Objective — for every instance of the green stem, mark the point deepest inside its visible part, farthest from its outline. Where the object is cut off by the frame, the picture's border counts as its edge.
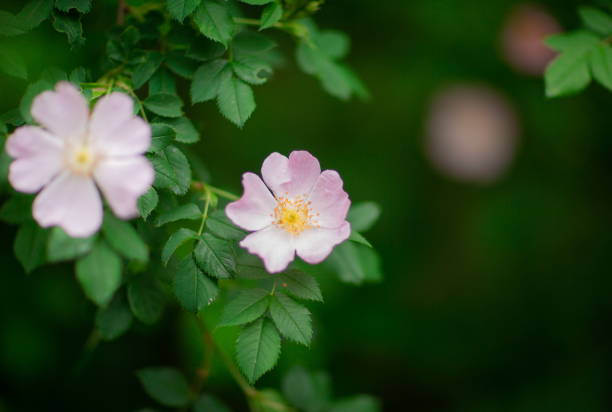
(248, 390)
(205, 213)
(222, 193)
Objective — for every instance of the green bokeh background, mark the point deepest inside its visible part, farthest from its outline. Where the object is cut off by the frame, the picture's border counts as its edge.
(495, 298)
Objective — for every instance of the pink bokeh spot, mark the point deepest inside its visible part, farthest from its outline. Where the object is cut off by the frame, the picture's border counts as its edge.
(73, 157)
(295, 209)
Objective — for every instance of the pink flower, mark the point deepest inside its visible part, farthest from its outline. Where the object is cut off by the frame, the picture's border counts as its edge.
(73, 156)
(305, 212)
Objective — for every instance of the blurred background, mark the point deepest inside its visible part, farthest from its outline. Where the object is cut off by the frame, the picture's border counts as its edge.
(495, 234)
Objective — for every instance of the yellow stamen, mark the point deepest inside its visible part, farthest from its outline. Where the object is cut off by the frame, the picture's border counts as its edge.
(294, 215)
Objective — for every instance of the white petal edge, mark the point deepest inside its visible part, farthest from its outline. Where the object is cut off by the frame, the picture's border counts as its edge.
(273, 245)
(315, 245)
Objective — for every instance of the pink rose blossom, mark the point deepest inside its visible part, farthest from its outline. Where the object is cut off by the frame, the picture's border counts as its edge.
(299, 210)
(74, 155)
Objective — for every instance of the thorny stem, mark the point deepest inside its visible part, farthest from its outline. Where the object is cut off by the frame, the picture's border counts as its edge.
(248, 390)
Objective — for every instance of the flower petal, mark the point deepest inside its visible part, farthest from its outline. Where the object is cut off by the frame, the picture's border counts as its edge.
(314, 245)
(64, 111)
(38, 157)
(330, 200)
(255, 209)
(115, 129)
(273, 245)
(291, 177)
(123, 181)
(71, 202)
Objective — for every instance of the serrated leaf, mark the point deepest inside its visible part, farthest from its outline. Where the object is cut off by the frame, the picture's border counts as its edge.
(271, 15)
(34, 13)
(179, 9)
(215, 256)
(124, 239)
(235, 100)
(161, 136)
(245, 307)
(71, 26)
(597, 20)
(301, 285)
(99, 273)
(172, 170)
(363, 215)
(164, 104)
(176, 240)
(184, 130)
(207, 80)
(215, 21)
(601, 65)
(292, 319)
(257, 348)
(219, 224)
(82, 6)
(144, 71)
(567, 74)
(252, 42)
(181, 65)
(146, 299)
(147, 203)
(29, 246)
(252, 70)
(162, 82)
(189, 211)
(60, 246)
(193, 289)
(208, 403)
(166, 385)
(115, 319)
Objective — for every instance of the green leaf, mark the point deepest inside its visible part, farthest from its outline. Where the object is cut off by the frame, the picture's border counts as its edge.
(166, 385)
(235, 100)
(162, 82)
(183, 128)
(193, 289)
(179, 9)
(143, 72)
(164, 104)
(271, 15)
(189, 211)
(363, 215)
(10, 25)
(245, 307)
(18, 209)
(71, 26)
(147, 203)
(359, 403)
(601, 65)
(61, 246)
(252, 42)
(252, 70)
(215, 256)
(33, 90)
(301, 285)
(115, 319)
(215, 21)
(29, 246)
(122, 236)
(355, 263)
(257, 2)
(567, 74)
(257, 348)
(34, 13)
(146, 299)
(572, 41)
(99, 273)
(334, 44)
(300, 390)
(161, 136)
(172, 170)
(208, 403)
(358, 238)
(596, 20)
(292, 319)
(82, 6)
(181, 65)
(207, 80)
(222, 227)
(176, 240)
(268, 400)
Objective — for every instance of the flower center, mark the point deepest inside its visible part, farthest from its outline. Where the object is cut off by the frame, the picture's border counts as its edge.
(81, 160)
(294, 215)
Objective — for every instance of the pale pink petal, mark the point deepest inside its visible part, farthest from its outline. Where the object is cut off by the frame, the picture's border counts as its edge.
(63, 111)
(38, 155)
(123, 181)
(273, 245)
(314, 245)
(275, 172)
(255, 209)
(71, 202)
(291, 177)
(115, 129)
(329, 200)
